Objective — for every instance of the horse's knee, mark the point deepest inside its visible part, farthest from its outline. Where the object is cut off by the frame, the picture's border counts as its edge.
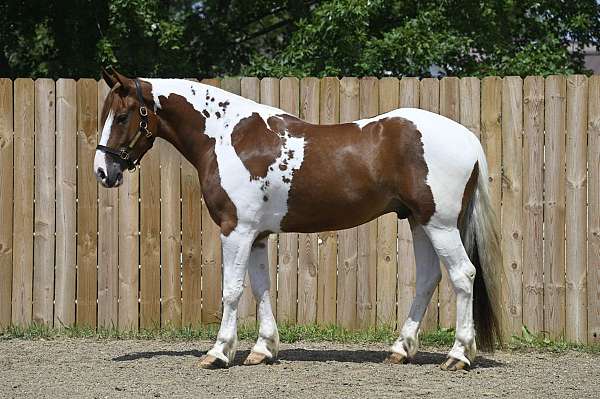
(232, 294)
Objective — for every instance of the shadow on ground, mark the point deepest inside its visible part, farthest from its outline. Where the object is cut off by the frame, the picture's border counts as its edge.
(317, 355)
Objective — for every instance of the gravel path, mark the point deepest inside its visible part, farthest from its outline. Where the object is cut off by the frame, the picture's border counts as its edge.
(134, 369)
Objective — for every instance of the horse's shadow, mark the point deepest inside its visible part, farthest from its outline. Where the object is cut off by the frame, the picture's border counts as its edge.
(317, 355)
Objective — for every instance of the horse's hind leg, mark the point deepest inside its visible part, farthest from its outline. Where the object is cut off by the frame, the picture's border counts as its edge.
(266, 347)
(449, 247)
(428, 276)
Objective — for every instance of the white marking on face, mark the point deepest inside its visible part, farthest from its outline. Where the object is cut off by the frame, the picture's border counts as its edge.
(248, 195)
(100, 157)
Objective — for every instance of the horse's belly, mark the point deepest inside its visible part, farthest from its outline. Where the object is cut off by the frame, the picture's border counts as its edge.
(320, 210)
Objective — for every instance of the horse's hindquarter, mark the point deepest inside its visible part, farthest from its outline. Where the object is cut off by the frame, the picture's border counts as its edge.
(450, 151)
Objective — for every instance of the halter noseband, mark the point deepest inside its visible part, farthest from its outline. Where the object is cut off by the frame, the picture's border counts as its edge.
(124, 152)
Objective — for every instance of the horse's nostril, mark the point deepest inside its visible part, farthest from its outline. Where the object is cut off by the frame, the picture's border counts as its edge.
(119, 176)
(101, 173)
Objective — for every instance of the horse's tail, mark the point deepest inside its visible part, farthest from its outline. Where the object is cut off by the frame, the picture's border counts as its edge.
(479, 231)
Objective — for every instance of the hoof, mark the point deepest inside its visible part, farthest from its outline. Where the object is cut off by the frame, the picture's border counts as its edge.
(453, 364)
(255, 358)
(210, 362)
(395, 358)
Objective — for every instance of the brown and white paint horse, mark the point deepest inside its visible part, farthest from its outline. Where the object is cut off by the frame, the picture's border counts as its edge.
(264, 171)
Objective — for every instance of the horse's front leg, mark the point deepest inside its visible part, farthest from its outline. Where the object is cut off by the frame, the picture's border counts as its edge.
(266, 347)
(236, 250)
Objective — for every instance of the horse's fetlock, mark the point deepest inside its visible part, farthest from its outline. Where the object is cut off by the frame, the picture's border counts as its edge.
(466, 337)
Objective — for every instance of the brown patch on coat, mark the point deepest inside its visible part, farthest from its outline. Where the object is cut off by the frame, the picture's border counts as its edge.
(184, 128)
(257, 146)
(350, 175)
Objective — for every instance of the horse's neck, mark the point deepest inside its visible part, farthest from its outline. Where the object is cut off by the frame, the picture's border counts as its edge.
(202, 106)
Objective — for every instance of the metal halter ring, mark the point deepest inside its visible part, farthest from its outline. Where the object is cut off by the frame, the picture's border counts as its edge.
(124, 154)
(143, 125)
(143, 111)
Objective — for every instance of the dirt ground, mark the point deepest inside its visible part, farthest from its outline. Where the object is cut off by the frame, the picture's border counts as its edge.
(134, 369)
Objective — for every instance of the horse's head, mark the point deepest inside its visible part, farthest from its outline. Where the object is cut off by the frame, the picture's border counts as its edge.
(128, 128)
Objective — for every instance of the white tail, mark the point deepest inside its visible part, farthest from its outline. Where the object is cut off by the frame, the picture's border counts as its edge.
(481, 239)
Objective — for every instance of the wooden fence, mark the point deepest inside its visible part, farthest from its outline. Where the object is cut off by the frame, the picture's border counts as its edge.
(148, 255)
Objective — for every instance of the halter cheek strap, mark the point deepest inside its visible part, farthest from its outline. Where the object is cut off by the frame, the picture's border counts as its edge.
(124, 152)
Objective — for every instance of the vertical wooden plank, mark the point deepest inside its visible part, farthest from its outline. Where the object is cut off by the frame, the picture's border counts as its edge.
(191, 244)
(450, 108)
(269, 95)
(43, 243)
(170, 235)
(512, 202)
(554, 207)
(491, 137)
(576, 221)
(533, 191)
(305, 288)
(314, 252)
(430, 100)
(212, 263)
(349, 110)
(66, 197)
(6, 200)
(366, 275)
(470, 100)
(87, 205)
(108, 241)
(491, 140)
(287, 276)
(593, 278)
(150, 239)
(409, 97)
(387, 230)
(326, 111)
(129, 251)
(249, 88)
(23, 202)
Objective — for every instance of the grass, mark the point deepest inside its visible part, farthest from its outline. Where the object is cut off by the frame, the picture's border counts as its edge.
(288, 334)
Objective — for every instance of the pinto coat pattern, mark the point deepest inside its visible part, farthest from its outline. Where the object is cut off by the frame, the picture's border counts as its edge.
(264, 171)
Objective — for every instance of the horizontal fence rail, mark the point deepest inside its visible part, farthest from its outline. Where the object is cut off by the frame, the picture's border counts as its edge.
(147, 255)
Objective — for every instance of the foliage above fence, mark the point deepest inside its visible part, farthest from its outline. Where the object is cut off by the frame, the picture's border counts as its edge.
(147, 254)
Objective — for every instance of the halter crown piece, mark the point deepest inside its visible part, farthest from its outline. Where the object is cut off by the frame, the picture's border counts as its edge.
(124, 152)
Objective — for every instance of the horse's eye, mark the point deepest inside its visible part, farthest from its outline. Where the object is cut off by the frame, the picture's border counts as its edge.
(122, 118)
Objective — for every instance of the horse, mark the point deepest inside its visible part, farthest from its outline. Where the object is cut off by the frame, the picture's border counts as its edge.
(264, 171)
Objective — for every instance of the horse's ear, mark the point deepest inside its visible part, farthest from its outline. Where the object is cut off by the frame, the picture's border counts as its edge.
(109, 78)
(112, 77)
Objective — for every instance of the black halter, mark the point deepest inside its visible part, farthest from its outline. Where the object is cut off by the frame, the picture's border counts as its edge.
(124, 153)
